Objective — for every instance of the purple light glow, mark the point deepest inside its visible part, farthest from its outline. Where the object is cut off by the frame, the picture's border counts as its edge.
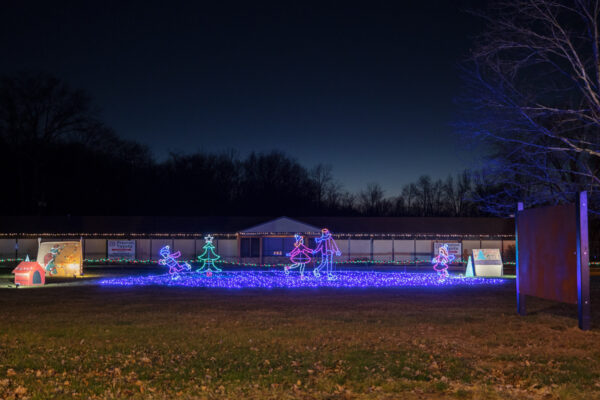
(278, 279)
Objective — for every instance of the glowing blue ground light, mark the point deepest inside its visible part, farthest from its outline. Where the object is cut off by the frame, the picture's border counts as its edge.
(278, 279)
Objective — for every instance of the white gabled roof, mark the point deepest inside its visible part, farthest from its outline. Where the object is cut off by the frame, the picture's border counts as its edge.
(283, 225)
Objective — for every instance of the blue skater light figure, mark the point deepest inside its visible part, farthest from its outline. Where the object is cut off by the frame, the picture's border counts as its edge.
(170, 260)
(441, 261)
(327, 247)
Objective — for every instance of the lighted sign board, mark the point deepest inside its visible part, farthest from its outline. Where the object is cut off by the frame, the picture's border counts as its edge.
(121, 249)
(454, 249)
(61, 258)
(487, 262)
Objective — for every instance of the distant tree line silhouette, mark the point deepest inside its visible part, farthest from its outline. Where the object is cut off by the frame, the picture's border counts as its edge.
(59, 158)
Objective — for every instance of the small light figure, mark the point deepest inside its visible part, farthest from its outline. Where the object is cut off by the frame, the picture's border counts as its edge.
(170, 260)
(327, 247)
(299, 256)
(209, 257)
(441, 261)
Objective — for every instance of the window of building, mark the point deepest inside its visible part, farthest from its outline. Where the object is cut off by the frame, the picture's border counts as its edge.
(277, 247)
(250, 247)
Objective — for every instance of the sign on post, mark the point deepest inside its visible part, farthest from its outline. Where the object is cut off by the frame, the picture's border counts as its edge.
(553, 256)
(121, 249)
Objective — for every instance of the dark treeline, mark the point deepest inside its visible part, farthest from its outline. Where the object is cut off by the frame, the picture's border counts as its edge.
(59, 158)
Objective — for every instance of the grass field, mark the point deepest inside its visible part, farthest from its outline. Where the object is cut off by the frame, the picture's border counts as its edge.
(160, 342)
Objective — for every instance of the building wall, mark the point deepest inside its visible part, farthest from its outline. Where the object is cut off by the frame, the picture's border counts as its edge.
(226, 248)
(94, 248)
(404, 250)
(187, 247)
(360, 248)
(143, 249)
(383, 250)
(343, 245)
(491, 244)
(28, 247)
(508, 250)
(424, 250)
(468, 246)
(380, 249)
(7, 248)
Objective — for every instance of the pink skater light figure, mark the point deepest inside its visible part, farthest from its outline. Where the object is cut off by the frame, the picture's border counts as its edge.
(441, 261)
(170, 260)
(299, 256)
(327, 247)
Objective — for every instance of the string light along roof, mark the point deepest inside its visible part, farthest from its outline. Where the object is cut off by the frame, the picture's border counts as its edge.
(230, 227)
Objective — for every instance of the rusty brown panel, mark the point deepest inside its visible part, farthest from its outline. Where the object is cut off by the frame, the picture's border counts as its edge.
(547, 241)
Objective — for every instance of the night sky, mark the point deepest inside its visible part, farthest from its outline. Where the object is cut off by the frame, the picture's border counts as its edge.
(366, 87)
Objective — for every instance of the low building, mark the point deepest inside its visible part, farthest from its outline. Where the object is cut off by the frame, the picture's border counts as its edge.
(259, 240)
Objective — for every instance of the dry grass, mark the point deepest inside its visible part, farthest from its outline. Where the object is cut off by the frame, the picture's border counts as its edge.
(95, 342)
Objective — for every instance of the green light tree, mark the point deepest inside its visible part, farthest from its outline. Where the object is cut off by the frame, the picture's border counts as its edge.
(209, 257)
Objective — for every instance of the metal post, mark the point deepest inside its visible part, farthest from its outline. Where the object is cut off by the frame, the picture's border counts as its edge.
(414, 254)
(583, 264)
(520, 297)
(349, 252)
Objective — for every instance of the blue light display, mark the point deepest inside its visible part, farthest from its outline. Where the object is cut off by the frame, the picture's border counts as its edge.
(327, 247)
(170, 260)
(279, 279)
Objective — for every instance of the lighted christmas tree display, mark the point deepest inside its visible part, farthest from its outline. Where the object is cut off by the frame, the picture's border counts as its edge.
(209, 257)
(469, 270)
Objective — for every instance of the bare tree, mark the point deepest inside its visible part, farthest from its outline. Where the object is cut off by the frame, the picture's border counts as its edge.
(534, 89)
(424, 195)
(372, 200)
(327, 190)
(458, 192)
(409, 193)
(37, 111)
